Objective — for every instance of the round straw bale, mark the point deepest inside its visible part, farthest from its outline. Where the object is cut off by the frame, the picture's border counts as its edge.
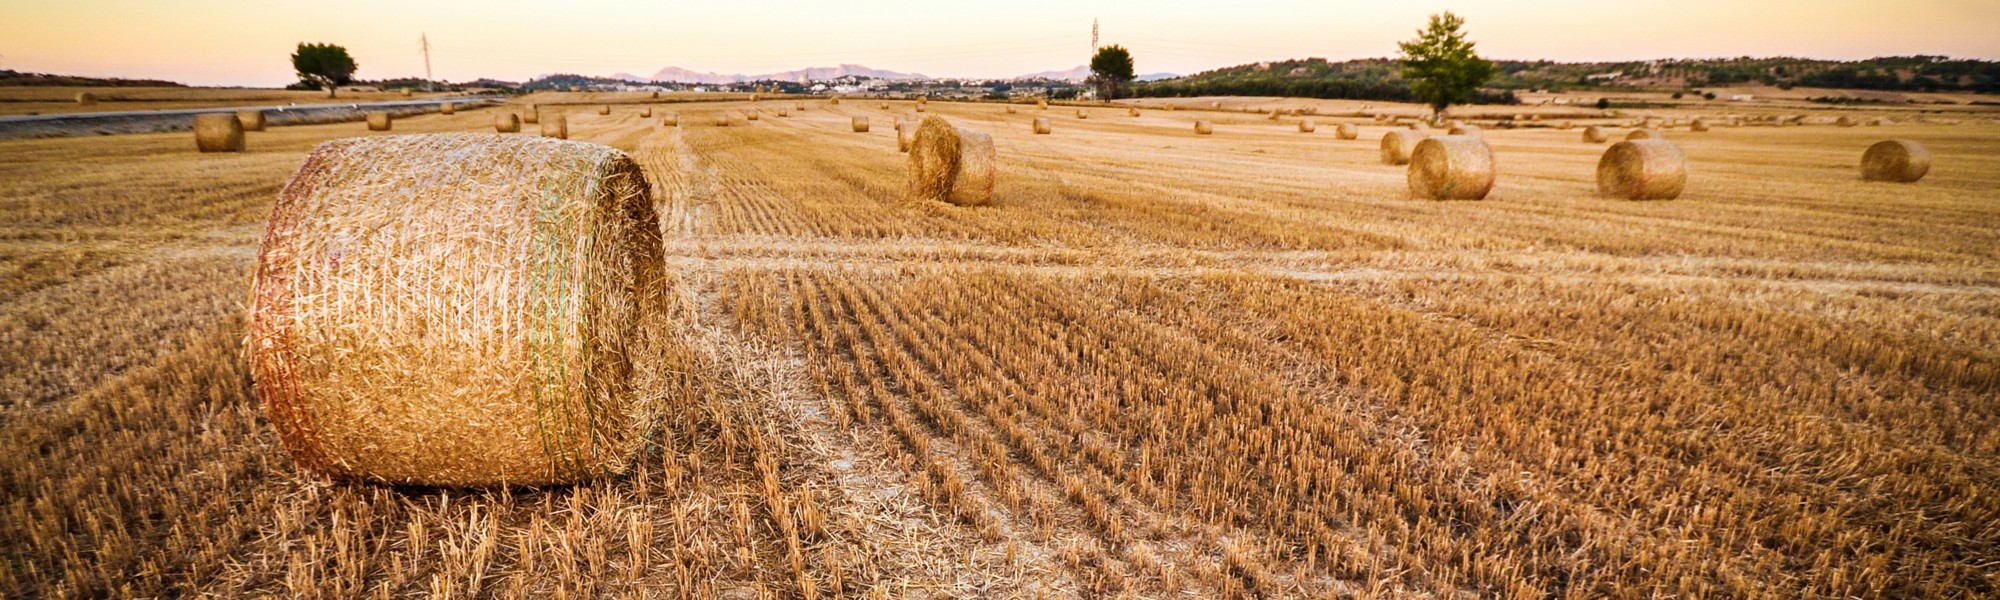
(1595, 135)
(1698, 125)
(756, 97)
(1082, 115)
(507, 122)
(1653, 169)
(446, 108)
(1463, 129)
(799, 106)
(1042, 126)
(1214, 104)
(951, 164)
(556, 126)
(1453, 167)
(671, 120)
(1844, 121)
(219, 132)
(1900, 161)
(1397, 145)
(1381, 117)
(784, 112)
(920, 107)
(860, 124)
(379, 121)
(1347, 131)
(532, 115)
(923, 99)
(835, 101)
(604, 109)
(252, 120)
(722, 119)
(750, 115)
(86, 98)
(656, 95)
(405, 92)
(1644, 134)
(1565, 125)
(459, 310)
(646, 113)
(1308, 126)
(906, 134)
(1042, 103)
(1010, 109)
(1273, 116)
(1131, 112)
(1204, 127)
(884, 106)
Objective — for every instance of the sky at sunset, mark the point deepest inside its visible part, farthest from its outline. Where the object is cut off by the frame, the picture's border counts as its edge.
(247, 42)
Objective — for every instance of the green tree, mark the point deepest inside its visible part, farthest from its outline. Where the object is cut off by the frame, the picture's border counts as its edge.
(1441, 66)
(1111, 70)
(323, 65)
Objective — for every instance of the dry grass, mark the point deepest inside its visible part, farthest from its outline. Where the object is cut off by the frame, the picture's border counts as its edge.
(1157, 365)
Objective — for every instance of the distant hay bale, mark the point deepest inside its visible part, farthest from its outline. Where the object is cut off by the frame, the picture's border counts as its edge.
(656, 95)
(884, 106)
(1042, 126)
(951, 164)
(1274, 115)
(920, 107)
(784, 112)
(671, 120)
(906, 134)
(799, 106)
(1042, 103)
(1010, 109)
(405, 92)
(1463, 129)
(860, 124)
(379, 121)
(446, 108)
(1698, 125)
(1131, 112)
(750, 115)
(1565, 125)
(1644, 134)
(834, 101)
(922, 100)
(219, 132)
(646, 113)
(756, 97)
(507, 122)
(1307, 126)
(459, 310)
(533, 115)
(1381, 117)
(604, 109)
(1844, 121)
(1214, 104)
(252, 120)
(556, 126)
(722, 119)
(86, 99)
(1347, 131)
(1204, 127)
(1453, 167)
(1595, 135)
(1082, 115)
(1397, 145)
(1900, 161)
(1642, 170)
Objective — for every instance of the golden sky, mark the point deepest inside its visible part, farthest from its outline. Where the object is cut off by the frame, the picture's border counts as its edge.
(248, 42)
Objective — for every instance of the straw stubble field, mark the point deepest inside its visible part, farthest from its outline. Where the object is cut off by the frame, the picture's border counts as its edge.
(1158, 365)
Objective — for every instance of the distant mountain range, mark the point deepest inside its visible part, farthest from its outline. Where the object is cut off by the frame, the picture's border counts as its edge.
(680, 75)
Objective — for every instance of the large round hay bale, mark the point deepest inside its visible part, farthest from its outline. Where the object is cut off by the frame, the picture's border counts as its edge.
(671, 120)
(1595, 135)
(379, 121)
(604, 109)
(532, 115)
(507, 122)
(906, 135)
(1347, 131)
(646, 113)
(1453, 167)
(1900, 161)
(1644, 134)
(218, 132)
(252, 120)
(1204, 127)
(656, 95)
(1308, 126)
(86, 99)
(1464, 129)
(860, 124)
(722, 119)
(556, 126)
(951, 164)
(1042, 126)
(446, 108)
(1698, 125)
(1397, 145)
(459, 310)
(1642, 170)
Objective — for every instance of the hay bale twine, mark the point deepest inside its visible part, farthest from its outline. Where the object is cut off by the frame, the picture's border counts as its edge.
(379, 121)
(906, 134)
(860, 124)
(1453, 167)
(604, 109)
(1698, 125)
(646, 113)
(532, 115)
(1042, 126)
(671, 120)
(447, 108)
(951, 164)
(507, 122)
(1642, 170)
(556, 126)
(1463, 129)
(252, 120)
(459, 310)
(1900, 161)
(1308, 126)
(219, 132)
(1347, 131)
(86, 99)
(1644, 134)
(1397, 145)
(1595, 135)
(1204, 127)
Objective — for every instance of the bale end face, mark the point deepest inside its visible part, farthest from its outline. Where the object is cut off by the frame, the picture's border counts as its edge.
(1042, 126)
(1642, 170)
(218, 133)
(1454, 167)
(1347, 131)
(1899, 161)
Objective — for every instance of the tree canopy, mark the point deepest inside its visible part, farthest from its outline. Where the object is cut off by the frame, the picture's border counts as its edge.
(1111, 70)
(323, 65)
(1441, 66)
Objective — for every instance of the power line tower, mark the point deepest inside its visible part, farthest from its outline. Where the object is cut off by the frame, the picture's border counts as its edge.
(1093, 35)
(424, 40)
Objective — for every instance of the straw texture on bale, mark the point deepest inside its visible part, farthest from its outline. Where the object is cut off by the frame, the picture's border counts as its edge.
(1203, 127)
(906, 134)
(1347, 131)
(507, 122)
(1644, 134)
(860, 124)
(380, 121)
(1453, 167)
(459, 310)
(671, 120)
(1463, 129)
(1397, 145)
(1642, 170)
(1595, 135)
(951, 164)
(646, 113)
(252, 120)
(1042, 126)
(219, 132)
(86, 98)
(556, 126)
(1900, 161)
(1308, 126)
(447, 108)
(604, 109)
(532, 116)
